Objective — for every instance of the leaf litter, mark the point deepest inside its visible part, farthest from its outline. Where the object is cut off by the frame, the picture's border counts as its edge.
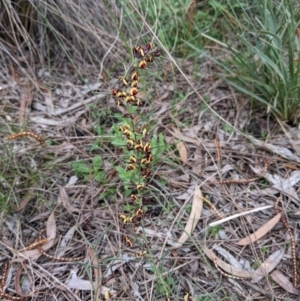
(236, 154)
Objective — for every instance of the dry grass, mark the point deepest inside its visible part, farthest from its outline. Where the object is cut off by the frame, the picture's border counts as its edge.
(41, 34)
(56, 94)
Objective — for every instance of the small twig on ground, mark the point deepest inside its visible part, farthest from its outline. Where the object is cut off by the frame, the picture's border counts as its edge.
(293, 244)
(226, 219)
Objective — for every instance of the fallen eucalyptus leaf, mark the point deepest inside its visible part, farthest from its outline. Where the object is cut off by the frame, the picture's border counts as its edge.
(231, 259)
(225, 266)
(85, 285)
(193, 218)
(267, 266)
(97, 271)
(51, 234)
(182, 151)
(259, 233)
(284, 282)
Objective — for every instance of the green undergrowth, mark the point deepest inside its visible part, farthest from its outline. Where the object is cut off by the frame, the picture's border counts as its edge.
(22, 177)
(179, 23)
(262, 55)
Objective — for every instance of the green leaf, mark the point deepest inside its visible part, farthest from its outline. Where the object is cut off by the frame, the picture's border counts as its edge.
(108, 192)
(118, 141)
(80, 167)
(100, 177)
(97, 163)
(94, 146)
(122, 173)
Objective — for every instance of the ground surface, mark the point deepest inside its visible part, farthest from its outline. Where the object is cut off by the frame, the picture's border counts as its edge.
(82, 215)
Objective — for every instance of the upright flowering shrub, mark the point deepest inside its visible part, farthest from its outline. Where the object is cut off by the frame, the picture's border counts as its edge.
(132, 136)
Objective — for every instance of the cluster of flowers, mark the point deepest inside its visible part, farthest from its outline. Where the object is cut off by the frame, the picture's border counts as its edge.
(135, 219)
(142, 158)
(145, 54)
(138, 145)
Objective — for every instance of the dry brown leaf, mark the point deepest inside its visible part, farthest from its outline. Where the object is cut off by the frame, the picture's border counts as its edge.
(97, 271)
(64, 199)
(187, 194)
(284, 282)
(25, 281)
(65, 240)
(17, 279)
(176, 133)
(39, 216)
(117, 263)
(87, 285)
(198, 142)
(228, 257)
(193, 218)
(32, 254)
(80, 284)
(226, 267)
(182, 151)
(268, 265)
(259, 233)
(25, 200)
(51, 234)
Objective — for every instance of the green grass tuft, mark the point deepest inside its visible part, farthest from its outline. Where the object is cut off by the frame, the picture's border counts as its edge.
(264, 62)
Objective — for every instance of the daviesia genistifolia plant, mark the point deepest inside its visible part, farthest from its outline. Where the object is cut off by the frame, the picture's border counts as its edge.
(132, 136)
